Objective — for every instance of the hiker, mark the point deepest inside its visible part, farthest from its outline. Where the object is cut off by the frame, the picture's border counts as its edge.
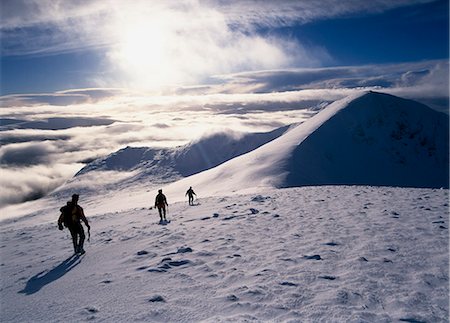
(190, 192)
(161, 203)
(71, 216)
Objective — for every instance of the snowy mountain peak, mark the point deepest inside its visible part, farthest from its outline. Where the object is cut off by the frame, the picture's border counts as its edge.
(369, 139)
(376, 139)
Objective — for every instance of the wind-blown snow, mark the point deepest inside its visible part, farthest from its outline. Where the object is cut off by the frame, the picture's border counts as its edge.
(341, 254)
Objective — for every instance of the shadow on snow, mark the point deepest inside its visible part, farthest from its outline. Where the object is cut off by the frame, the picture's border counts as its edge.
(35, 283)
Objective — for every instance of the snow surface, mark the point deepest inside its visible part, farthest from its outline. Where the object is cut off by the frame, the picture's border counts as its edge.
(250, 250)
(330, 253)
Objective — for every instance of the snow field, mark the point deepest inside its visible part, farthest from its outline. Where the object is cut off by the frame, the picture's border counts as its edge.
(330, 253)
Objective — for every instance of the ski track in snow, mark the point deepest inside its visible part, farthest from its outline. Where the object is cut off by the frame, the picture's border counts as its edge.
(311, 254)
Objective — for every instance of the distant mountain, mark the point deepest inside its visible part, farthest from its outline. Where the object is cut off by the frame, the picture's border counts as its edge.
(162, 165)
(368, 139)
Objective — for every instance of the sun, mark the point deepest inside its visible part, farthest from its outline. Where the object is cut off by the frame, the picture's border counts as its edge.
(144, 51)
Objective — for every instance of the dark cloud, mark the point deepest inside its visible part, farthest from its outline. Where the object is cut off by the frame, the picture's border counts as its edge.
(62, 98)
(56, 123)
(9, 138)
(65, 123)
(8, 122)
(25, 155)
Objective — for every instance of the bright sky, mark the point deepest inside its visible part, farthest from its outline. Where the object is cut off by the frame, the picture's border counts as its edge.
(53, 45)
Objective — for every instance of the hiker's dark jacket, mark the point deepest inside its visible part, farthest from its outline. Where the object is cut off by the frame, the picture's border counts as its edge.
(160, 200)
(72, 215)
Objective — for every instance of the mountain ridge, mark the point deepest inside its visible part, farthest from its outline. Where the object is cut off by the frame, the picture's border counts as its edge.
(276, 164)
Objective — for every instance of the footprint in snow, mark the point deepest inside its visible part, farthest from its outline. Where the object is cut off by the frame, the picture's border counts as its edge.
(232, 298)
(91, 310)
(230, 217)
(175, 263)
(260, 198)
(184, 250)
(157, 299)
(327, 277)
(180, 250)
(314, 257)
(288, 284)
(331, 244)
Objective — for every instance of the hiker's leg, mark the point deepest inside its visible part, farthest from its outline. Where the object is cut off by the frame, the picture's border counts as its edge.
(160, 212)
(164, 212)
(82, 237)
(73, 233)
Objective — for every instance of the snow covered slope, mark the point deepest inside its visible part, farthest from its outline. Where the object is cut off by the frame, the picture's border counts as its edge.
(370, 139)
(310, 254)
(162, 165)
(377, 139)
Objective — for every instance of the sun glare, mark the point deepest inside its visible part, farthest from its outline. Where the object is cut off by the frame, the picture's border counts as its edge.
(143, 51)
(180, 45)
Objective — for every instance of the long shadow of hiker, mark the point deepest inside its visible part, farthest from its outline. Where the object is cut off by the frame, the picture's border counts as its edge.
(35, 283)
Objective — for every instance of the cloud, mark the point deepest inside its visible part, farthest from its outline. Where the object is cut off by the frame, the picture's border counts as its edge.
(262, 13)
(25, 154)
(28, 13)
(61, 98)
(161, 43)
(33, 182)
(407, 79)
(12, 137)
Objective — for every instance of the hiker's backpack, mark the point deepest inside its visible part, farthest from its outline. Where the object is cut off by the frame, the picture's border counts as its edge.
(67, 215)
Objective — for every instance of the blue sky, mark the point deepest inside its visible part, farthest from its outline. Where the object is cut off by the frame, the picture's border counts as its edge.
(51, 46)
